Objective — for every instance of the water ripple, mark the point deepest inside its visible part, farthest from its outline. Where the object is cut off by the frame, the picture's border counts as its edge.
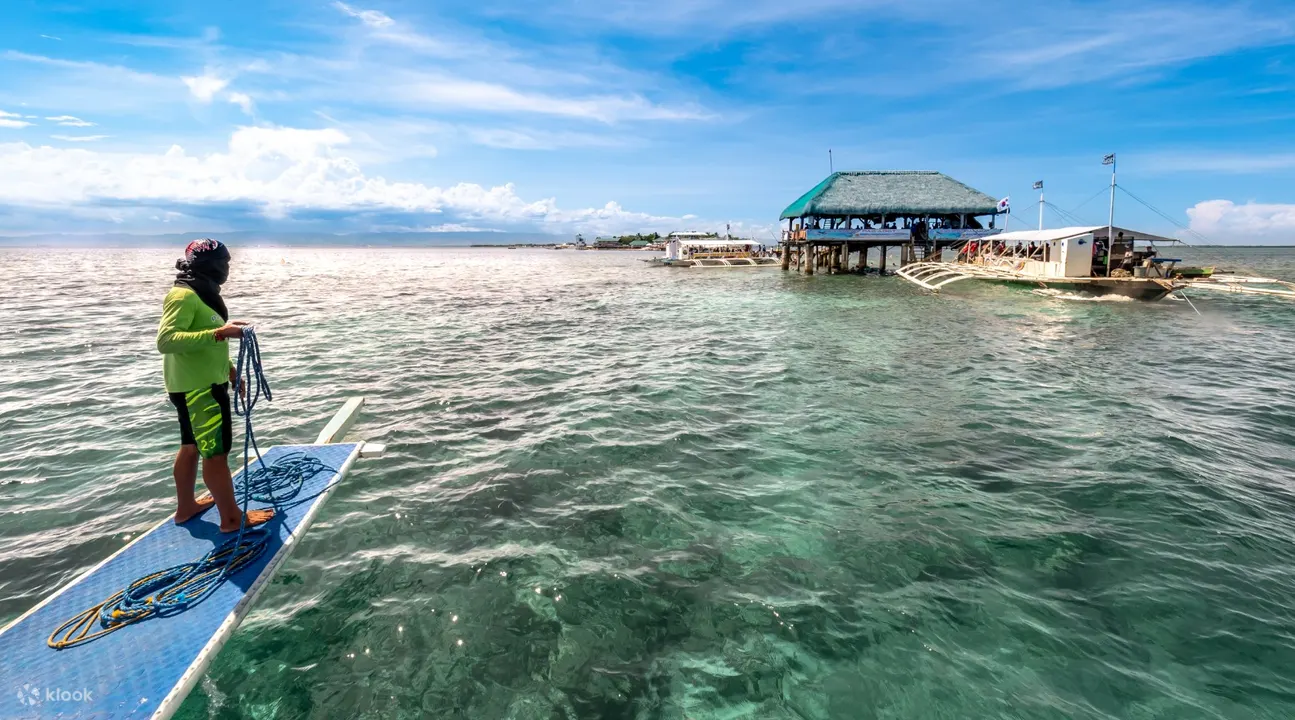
(613, 491)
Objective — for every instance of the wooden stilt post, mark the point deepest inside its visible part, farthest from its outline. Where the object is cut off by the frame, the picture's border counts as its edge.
(786, 256)
(881, 267)
(809, 259)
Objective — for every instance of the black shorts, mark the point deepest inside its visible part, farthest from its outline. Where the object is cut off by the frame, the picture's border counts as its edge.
(206, 419)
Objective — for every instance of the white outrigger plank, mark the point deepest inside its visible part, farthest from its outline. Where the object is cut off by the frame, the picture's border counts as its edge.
(935, 275)
(372, 450)
(1244, 285)
(341, 422)
(145, 670)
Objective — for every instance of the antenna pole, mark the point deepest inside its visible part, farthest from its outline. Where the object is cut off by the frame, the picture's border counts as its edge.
(831, 169)
(1110, 224)
(1040, 206)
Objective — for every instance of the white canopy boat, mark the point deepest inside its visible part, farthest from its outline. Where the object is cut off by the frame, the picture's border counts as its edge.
(1072, 259)
(697, 250)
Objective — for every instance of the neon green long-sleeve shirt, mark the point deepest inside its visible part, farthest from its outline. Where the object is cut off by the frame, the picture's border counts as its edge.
(192, 358)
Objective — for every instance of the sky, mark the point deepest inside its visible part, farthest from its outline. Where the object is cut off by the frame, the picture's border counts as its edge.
(154, 116)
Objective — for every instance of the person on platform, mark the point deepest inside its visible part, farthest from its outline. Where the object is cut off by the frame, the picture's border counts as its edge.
(193, 339)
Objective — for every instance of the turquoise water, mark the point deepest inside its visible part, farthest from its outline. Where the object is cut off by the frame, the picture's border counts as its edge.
(615, 491)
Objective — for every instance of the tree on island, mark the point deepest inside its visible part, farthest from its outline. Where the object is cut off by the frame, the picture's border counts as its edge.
(627, 239)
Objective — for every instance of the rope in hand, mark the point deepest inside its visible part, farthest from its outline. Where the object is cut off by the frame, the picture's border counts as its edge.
(180, 587)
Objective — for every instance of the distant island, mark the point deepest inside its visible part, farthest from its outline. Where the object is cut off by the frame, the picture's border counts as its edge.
(637, 241)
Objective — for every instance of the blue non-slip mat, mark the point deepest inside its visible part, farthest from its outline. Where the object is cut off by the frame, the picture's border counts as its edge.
(132, 672)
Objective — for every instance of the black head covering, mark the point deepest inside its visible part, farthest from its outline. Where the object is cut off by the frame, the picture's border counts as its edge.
(204, 268)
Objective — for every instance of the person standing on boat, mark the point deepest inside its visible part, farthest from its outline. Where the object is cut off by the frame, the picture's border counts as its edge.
(193, 339)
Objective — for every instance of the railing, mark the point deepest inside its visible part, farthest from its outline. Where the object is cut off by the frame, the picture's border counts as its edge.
(719, 255)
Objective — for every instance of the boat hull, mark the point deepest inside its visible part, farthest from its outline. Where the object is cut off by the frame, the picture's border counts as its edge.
(717, 263)
(1146, 290)
(935, 276)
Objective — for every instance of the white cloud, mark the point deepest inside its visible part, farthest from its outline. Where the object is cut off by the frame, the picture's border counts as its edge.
(73, 84)
(1059, 45)
(204, 87)
(211, 85)
(450, 43)
(711, 17)
(282, 171)
(530, 139)
(242, 100)
(70, 121)
(4, 114)
(442, 92)
(13, 124)
(1225, 222)
(78, 138)
(372, 18)
(52, 37)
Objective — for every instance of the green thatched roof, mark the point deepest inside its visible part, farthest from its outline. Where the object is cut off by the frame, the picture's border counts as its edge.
(893, 192)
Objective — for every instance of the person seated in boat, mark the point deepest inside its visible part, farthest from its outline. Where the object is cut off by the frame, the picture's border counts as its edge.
(193, 338)
(1127, 262)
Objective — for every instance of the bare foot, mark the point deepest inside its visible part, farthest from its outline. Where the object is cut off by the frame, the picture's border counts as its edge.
(192, 510)
(254, 518)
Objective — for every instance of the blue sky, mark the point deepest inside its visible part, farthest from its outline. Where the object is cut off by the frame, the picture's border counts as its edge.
(595, 117)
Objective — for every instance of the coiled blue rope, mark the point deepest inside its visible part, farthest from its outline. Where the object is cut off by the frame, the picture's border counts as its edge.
(178, 588)
(278, 484)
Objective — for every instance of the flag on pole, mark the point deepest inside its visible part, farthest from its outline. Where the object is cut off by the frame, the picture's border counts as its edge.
(1005, 205)
(1109, 159)
(1038, 184)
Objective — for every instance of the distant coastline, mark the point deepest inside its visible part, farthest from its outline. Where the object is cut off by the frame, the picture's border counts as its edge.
(272, 239)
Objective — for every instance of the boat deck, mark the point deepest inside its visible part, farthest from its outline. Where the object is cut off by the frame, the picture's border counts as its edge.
(145, 670)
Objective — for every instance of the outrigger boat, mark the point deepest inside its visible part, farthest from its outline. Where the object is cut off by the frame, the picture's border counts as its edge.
(1093, 261)
(1063, 259)
(696, 250)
